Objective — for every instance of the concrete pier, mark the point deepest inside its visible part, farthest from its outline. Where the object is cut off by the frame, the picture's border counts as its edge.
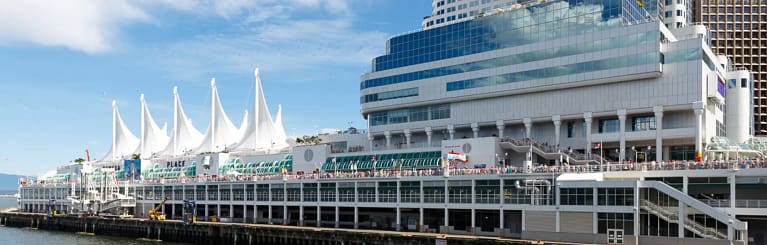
(234, 233)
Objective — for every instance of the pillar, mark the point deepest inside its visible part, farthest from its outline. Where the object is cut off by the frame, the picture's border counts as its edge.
(473, 219)
(399, 225)
(475, 129)
(500, 218)
(370, 140)
(319, 218)
(269, 215)
(387, 134)
(285, 214)
(420, 219)
(451, 131)
(658, 133)
(698, 108)
(501, 126)
(428, 136)
(622, 122)
(407, 138)
(557, 124)
(338, 220)
(528, 126)
(300, 215)
(356, 217)
(447, 220)
(587, 116)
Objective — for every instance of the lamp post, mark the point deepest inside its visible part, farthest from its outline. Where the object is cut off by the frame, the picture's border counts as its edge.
(636, 156)
(505, 156)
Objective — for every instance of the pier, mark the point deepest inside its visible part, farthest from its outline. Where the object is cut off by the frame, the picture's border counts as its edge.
(234, 233)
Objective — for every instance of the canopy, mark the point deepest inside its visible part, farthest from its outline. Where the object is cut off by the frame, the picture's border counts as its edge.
(124, 142)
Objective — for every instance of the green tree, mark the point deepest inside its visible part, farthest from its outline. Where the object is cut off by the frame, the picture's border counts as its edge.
(136, 156)
(79, 160)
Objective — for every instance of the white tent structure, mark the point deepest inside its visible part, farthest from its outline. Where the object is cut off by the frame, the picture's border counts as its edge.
(124, 142)
(261, 133)
(185, 137)
(221, 134)
(280, 138)
(153, 138)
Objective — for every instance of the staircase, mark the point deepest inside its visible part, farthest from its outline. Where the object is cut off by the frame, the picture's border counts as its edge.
(671, 216)
(114, 206)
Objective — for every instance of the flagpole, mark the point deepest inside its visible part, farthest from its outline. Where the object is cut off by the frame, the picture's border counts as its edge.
(601, 151)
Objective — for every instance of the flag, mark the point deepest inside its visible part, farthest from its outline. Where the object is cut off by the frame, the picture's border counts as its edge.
(641, 4)
(598, 146)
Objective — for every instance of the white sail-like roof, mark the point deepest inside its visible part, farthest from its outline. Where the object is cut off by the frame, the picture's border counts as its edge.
(260, 132)
(280, 138)
(185, 137)
(124, 142)
(221, 133)
(244, 125)
(153, 138)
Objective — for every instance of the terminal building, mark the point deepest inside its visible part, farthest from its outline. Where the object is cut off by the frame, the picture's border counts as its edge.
(566, 121)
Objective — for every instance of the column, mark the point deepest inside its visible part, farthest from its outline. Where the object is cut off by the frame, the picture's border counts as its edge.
(587, 120)
(420, 219)
(501, 126)
(500, 218)
(658, 133)
(338, 220)
(473, 219)
(451, 131)
(387, 134)
(698, 109)
(731, 179)
(557, 124)
(428, 136)
(370, 140)
(301, 215)
(622, 121)
(407, 138)
(399, 226)
(528, 126)
(285, 214)
(475, 129)
(447, 221)
(319, 218)
(681, 220)
(269, 215)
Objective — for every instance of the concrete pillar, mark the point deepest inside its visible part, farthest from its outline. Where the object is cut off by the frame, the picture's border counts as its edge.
(319, 218)
(528, 126)
(407, 138)
(622, 121)
(473, 220)
(557, 222)
(557, 124)
(284, 215)
(475, 129)
(587, 116)
(523, 221)
(356, 217)
(387, 134)
(420, 219)
(338, 219)
(300, 215)
(269, 215)
(501, 126)
(370, 140)
(731, 179)
(447, 219)
(399, 226)
(451, 131)
(698, 108)
(428, 136)
(658, 133)
(500, 218)
(681, 215)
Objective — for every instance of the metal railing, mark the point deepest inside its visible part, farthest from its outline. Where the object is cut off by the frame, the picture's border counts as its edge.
(745, 203)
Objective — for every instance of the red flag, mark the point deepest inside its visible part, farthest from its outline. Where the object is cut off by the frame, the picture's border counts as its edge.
(598, 146)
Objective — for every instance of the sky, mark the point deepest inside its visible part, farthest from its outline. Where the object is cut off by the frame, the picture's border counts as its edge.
(63, 62)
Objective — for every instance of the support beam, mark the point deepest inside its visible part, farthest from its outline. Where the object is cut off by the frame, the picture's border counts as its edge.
(587, 116)
(622, 121)
(658, 133)
(475, 129)
(428, 136)
(528, 127)
(501, 127)
(698, 108)
(451, 131)
(407, 138)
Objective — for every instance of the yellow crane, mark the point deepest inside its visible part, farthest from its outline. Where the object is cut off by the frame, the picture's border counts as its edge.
(154, 214)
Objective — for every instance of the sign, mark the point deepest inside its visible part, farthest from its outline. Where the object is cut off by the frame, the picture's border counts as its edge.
(132, 169)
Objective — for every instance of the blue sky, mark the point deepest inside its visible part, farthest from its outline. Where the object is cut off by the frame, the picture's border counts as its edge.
(63, 62)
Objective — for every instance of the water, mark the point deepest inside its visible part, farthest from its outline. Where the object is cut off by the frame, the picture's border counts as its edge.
(11, 235)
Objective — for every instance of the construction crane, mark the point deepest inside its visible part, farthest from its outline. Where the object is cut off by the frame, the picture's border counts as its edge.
(154, 214)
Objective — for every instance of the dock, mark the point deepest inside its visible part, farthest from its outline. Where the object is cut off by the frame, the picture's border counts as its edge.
(236, 233)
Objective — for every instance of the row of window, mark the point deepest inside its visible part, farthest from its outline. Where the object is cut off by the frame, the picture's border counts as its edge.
(567, 50)
(504, 30)
(413, 114)
(731, 18)
(555, 71)
(739, 9)
(388, 95)
(605, 196)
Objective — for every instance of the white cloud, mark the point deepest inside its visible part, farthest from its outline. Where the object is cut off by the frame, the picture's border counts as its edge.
(85, 25)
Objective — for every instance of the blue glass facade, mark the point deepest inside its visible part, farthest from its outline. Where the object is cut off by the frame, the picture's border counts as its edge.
(555, 71)
(562, 51)
(388, 95)
(413, 114)
(546, 21)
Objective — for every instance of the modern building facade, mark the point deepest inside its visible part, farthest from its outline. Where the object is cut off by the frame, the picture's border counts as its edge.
(738, 30)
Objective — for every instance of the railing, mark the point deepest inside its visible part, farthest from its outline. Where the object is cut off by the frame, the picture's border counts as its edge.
(673, 217)
(746, 203)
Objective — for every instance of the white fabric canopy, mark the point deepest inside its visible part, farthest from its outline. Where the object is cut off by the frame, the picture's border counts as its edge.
(185, 137)
(260, 132)
(124, 142)
(153, 138)
(280, 139)
(221, 133)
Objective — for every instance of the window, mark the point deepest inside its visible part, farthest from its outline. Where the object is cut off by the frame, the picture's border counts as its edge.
(669, 2)
(440, 21)
(743, 83)
(679, 13)
(576, 196)
(642, 123)
(609, 125)
(570, 129)
(620, 221)
(462, 6)
(451, 18)
(451, 9)
(669, 14)
(615, 197)
(473, 3)
(440, 3)
(679, 25)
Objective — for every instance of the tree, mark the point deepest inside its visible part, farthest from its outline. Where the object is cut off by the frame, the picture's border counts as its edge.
(136, 156)
(79, 160)
(309, 140)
